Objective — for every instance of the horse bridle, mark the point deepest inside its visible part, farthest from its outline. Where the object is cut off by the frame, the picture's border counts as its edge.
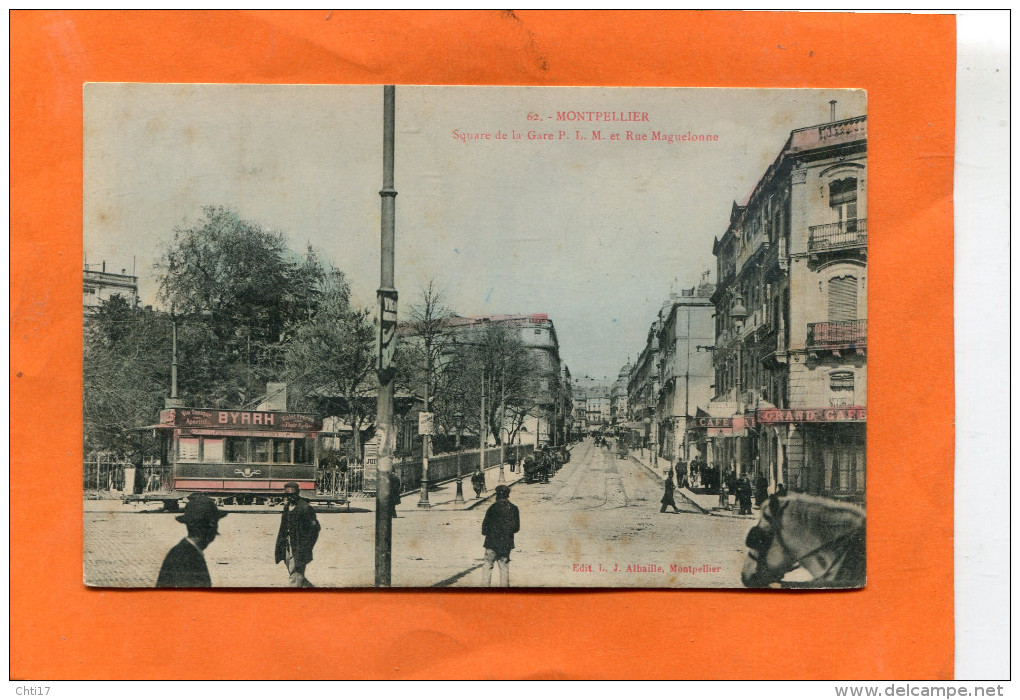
(760, 541)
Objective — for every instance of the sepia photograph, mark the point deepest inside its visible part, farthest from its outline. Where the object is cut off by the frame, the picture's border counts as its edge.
(344, 336)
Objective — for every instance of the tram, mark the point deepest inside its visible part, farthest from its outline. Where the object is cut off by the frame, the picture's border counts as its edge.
(236, 457)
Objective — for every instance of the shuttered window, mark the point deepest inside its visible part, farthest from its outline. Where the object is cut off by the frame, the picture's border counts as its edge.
(842, 191)
(843, 200)
(841, 381)
(843, 299)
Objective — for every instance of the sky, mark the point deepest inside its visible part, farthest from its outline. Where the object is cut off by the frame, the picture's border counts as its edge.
(593, 233)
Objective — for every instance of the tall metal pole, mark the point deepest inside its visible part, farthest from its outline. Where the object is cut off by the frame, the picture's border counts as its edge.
(387, 298)
(426, 440)
(173, 365)
(502, 423)
(687, 398)
(483, 429)
(459, 498)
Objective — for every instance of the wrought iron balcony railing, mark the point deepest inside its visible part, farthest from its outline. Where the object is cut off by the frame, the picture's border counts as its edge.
(851, 233)
(838, 334)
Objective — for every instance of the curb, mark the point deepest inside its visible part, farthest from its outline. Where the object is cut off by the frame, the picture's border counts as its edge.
(704, 511)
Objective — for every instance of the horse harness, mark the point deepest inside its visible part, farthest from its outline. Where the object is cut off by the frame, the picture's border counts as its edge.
(760, 541)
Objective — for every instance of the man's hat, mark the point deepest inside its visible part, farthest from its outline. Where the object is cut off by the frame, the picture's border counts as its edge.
(291, 487)
(200, 509)
(502, 490)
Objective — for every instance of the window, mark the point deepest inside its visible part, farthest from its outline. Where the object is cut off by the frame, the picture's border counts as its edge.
(843, 298)
(281, 451)
(260, 450)
(188, 449)
(841, 381)
(841, 386)
(236, 450)
(304, 451)
(212, 450)
(843, 201)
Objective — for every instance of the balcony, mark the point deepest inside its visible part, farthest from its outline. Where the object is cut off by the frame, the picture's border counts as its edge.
(838, 335)
(852, 233)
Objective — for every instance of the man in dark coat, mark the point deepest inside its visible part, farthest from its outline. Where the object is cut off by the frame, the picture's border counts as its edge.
(299, 530)
(478, 482)
(667, 496)
(501, 521)
(744, 493)
(184, 565)
(761, 490)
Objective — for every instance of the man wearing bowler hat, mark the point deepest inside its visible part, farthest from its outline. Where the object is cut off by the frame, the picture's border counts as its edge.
(184, 565)
(299, 530)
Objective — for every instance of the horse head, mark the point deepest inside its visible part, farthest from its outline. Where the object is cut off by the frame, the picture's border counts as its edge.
(825, 537)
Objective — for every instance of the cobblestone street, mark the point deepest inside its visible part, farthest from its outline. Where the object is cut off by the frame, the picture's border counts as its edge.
(595, 524)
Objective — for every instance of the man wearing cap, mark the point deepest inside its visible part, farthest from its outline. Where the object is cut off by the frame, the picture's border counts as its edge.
(184, 565)
(299, 530)
(501, 521)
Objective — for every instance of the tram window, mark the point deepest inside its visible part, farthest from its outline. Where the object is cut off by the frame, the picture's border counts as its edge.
(304, 451)
(187, 449)
(212, 450)
(281, 451)
(259, 450)
(237, 450)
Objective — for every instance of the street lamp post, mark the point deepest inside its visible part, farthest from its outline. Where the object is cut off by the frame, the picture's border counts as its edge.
(458, 418)
(385, 346)
(483, 429)
(738, 313)
(502, 423)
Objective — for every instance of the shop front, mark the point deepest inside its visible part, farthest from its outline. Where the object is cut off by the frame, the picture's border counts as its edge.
(820, 451)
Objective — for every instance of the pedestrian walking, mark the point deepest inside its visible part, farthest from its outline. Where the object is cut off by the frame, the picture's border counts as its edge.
(761, 490)
(667, 496)
(299, 531)
(184, 565)
(744, 492)
(502, 520)
(478, 482)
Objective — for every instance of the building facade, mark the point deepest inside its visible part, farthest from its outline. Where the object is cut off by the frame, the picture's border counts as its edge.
(643, 385)
(99, 285)
(548, 421)
(618, 396)
(685, 339)
(791, 320)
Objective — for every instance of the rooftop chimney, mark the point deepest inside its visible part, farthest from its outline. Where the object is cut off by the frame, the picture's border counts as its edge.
(832, 110)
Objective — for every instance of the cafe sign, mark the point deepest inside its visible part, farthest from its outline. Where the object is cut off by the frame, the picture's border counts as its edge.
(853, 414)
(713, 422)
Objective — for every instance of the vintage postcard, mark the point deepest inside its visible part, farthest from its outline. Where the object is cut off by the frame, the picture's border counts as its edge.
(412, 336)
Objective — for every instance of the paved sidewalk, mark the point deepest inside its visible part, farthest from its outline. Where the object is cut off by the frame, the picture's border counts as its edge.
(706, 502)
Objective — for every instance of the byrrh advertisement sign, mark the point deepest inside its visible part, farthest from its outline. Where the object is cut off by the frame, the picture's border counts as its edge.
(215, 418)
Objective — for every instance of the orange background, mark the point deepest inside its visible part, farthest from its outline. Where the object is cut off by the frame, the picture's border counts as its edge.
(900, 626)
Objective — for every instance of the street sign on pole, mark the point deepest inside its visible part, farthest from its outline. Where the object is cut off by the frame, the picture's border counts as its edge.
(425, 423)
(386, 339)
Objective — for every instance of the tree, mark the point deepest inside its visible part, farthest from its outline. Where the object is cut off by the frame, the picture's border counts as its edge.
(428, 356)
(249, 290)
(329, 359)
(497, 359)
(126, 375)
